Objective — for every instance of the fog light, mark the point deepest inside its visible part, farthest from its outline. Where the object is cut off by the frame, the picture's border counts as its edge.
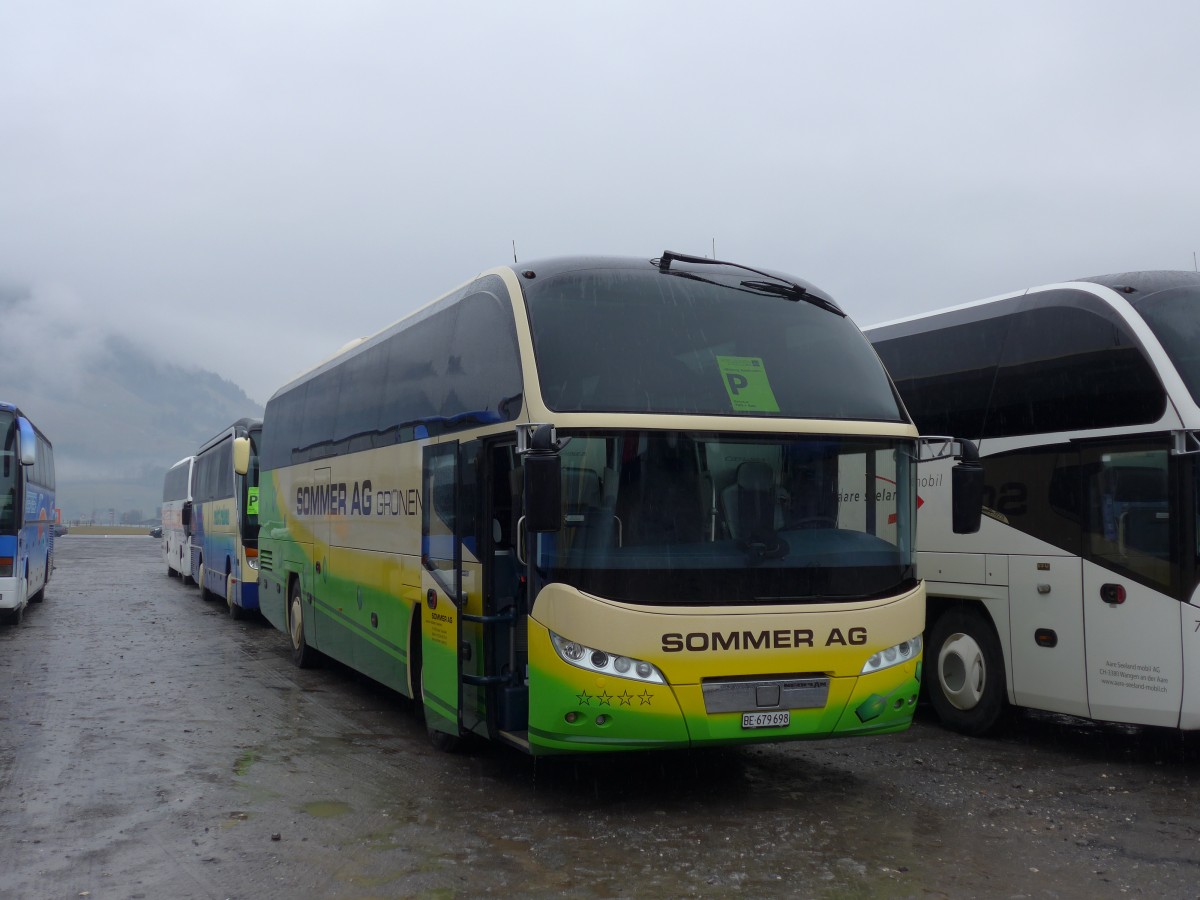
(572, 718)
(601, 720)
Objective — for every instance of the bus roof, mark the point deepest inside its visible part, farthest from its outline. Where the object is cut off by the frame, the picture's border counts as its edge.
(240, 427)
(1138, 283)
(543, 268)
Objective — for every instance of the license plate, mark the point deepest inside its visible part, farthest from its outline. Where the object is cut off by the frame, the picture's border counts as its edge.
(775, 719)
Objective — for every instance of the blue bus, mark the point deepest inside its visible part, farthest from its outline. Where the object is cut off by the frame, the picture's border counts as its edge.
(224, 518)
(27, 513)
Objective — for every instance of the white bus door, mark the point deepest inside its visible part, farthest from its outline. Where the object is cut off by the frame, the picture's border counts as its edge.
(1134, 650)
(1132, 629)
(441, 587)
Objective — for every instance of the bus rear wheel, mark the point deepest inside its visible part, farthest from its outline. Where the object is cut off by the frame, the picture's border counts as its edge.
(303, 656)
(968, 688)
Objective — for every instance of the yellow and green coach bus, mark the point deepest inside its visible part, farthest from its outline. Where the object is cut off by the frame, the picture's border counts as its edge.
(597, 504)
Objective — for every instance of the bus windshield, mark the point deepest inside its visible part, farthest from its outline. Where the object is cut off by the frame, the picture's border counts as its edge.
(637, 340)
(1174, 317)
(9, 469)
(686, 518)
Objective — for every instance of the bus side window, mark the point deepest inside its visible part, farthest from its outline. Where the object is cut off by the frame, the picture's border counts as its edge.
(7, 505)
(1128, 507)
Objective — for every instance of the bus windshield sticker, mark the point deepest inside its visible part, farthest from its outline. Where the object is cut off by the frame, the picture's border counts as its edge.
(252, 501)
(747, 384)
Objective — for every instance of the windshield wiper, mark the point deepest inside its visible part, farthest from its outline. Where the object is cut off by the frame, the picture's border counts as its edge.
(778, 286)
(793, 292)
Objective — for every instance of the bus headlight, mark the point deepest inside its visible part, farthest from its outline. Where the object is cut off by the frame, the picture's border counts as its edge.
(903, 652)
(605, 663)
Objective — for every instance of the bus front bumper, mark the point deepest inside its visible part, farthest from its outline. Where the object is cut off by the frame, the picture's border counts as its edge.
(572, 710)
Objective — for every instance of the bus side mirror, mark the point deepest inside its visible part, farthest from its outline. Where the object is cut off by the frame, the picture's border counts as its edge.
(28, 442)
(543, 492)
(966, 484)
(241, 455)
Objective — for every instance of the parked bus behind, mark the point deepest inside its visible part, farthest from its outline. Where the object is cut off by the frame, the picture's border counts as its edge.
(176, 519)
(1081, 592)
(224, 519)
(28, 514)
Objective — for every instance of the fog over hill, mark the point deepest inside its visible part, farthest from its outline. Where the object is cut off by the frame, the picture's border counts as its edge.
(118, 414)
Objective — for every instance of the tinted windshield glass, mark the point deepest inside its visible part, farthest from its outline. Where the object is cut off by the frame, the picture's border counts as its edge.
(638, 340)
(1174, 317)
(671, 517)
(8, 473)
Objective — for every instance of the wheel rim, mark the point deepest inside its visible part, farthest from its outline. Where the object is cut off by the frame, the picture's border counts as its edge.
(962, 671)
(296, 623)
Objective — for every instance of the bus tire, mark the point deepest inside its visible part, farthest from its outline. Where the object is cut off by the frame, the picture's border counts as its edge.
(967, 690)
(236, 612)
(303, 656)
(202, 579)
(443, 742)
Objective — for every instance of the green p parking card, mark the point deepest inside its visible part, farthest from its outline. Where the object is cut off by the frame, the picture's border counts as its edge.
(747, 384)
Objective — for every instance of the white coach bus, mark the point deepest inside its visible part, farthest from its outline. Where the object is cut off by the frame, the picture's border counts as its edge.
(176, 518)
(1079, 594)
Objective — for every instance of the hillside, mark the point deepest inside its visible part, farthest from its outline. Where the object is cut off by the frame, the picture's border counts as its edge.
(118, 418)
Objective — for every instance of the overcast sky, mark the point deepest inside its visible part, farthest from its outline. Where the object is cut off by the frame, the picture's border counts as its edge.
(248, 185)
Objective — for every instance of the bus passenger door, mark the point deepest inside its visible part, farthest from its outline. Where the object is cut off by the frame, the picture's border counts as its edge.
(441, 585)
(1132, 622)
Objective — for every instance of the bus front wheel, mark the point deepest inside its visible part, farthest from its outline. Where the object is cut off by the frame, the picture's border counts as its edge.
(303, 655)
(968, 688)
(446, 743)
(202, 580)
(236, 612)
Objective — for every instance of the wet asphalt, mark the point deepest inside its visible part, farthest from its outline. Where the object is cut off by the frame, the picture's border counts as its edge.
(152, 747)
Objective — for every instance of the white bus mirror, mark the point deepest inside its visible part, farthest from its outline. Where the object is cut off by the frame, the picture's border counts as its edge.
(241, 455)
